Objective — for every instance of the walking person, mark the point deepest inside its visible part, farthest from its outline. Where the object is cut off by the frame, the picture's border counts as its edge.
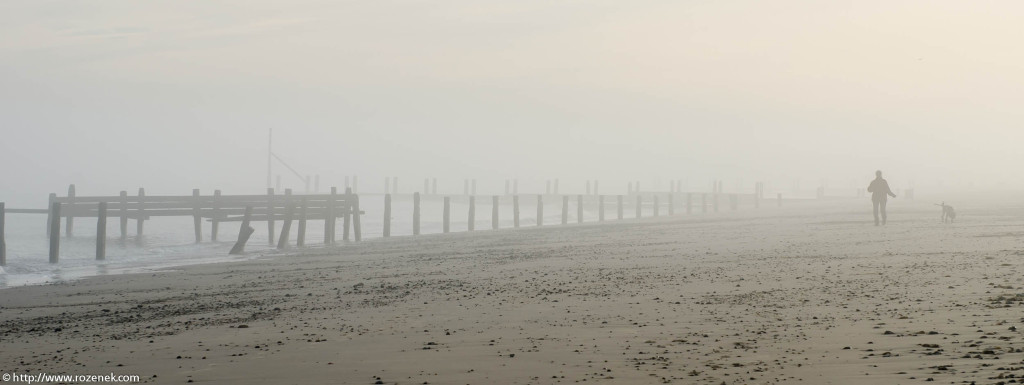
(880, 193)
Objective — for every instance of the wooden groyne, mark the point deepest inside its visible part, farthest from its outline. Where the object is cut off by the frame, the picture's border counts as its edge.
(292, 209)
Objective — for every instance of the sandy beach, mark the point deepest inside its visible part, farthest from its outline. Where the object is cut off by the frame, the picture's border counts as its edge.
(813, 294)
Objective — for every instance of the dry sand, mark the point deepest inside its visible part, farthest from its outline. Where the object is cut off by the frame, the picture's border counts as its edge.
(814, 295)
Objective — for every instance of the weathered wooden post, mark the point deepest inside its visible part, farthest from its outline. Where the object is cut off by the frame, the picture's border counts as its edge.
(689, 203)
(55, 233)
(197, 218)
(565, 209)
(494, 212)
(329, 219)
(416, 213)
(780, 199)
(270, 215)
(244, 233)
(301, 240)
(656, 205)
(69, 227)
(704, 203)
(357, 227)
(472, 213)
(214, 216)
(515, 211)
(387, 215)
(3, 239)
(618, 199)
(446, 222)
(124, 215)
(639, 205)
(49, 213)
(101, 232)
(141, 220)
(600, 208)
(286, 227)
(579, 209)
(540, 210)
(346, 221)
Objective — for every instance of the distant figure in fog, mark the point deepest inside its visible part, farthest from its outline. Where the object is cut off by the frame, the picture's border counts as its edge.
(880, 193)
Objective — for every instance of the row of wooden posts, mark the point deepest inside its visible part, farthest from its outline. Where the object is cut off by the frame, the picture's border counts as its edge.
(495, 202)
(329, 207)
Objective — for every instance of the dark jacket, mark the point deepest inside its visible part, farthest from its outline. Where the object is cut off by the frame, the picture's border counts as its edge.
(879, 190)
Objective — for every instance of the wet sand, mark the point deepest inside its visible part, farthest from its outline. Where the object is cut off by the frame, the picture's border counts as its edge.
(813, 294)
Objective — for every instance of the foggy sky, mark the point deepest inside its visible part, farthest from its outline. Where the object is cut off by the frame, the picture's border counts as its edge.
(171, 96)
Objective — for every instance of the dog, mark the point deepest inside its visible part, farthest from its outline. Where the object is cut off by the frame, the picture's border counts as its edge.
(947, 212)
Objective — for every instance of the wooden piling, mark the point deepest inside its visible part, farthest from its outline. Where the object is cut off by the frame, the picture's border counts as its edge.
(416, 213)
(215, 217)
(540, 210)
(387, 215)
(270, 216)
(329, 217)
(472, 213)
(494, 212)
(579, 209)
(3, 236)
(515, 211)
(286, 227)
(446, 221)
(124, 215)
(346, 221)
(618, 199)
(357, 228)
(244, 232)
(55, 233)
(300, 241)
(69, 226)
(197, 218)
(600, 208)
(101, 232)
(565, 209)
(141, 220)
(49, 213)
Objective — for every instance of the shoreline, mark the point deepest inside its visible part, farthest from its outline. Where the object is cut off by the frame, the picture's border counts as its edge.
(742, 298)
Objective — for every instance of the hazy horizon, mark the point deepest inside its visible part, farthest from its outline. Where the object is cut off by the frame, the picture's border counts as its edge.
(172, 96)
